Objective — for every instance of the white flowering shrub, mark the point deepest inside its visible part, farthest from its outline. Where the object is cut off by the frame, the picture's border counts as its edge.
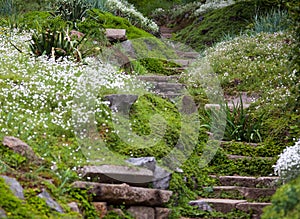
(211, 5)
(288, 164)
(124, 9)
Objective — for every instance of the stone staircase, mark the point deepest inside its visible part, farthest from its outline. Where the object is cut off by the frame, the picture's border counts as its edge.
(113, 185)
(249, 194)
(230, 193)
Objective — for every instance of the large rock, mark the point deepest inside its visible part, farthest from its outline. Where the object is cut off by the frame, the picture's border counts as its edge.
(50, 202)
(121, 102)
(141, 212)
(125, 194)
(161, 177)
(118, 174)
(116, 35)
(162, 213)
(15, 186)
(21, 148)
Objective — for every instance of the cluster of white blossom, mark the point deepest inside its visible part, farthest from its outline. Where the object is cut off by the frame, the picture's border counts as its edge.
(126, 10)
(212, 4)
(288, 164)
(37, 94)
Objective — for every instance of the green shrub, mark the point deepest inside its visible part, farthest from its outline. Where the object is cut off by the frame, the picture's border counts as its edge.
(97, 20)
(56, 44)
(285, 202)
(273, 21)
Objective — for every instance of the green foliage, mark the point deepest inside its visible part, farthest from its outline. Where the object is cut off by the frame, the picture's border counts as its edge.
(56, 44)
(6, 7)
(10, 159)
(97, 20)
(240, 124)
(273, 21)
(158, 66)
(208, 29)
(40, 20)
(84, 199)
(72, 10)
(285, 202)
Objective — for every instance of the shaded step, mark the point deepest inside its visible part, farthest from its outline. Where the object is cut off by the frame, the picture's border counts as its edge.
(238, 157)
(118, 174)
(243, 192)
(166, 30)
(156, 78)
(166, 35)
(182, 62)
(168, 88)
(222, 205)
(253, 207)
(189, 55)
(247, 181)
(125, 194)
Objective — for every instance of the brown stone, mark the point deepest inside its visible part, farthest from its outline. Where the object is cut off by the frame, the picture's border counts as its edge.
(255, 207)
(101, 208)
(223, 205)
(116, 35)
(162, 213)
(21, 148)
(140, 212)
(125, 194)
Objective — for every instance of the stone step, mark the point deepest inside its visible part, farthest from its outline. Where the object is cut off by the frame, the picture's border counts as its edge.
(118, 174)
(188, 55)
(166, 30)
(157, 78)
(121, 102)
(240, 157)
(227, 205)
(253, 207)
(243, 192)
(247, 181)
(124, 194)
(182, 62)
(166, 35)
(168, 88)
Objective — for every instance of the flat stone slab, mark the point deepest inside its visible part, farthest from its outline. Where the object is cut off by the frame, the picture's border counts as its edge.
(222, 205)
(247, 181)
(237, 157)
(166, 87)
(254, 207)
(116, 34)
(125, 194)
(118, 174)
(142, 212)
(246, 192)
(156, 78)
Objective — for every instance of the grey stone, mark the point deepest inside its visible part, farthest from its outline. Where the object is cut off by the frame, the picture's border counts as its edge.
(2, 213)
(125, 194)
(148, 162)
(116, 35)
(128, 49)
(14, 186)
(21, 148)
(121, 102)
(223, 205)
(50, 202)
(168, 88)
(161, 178)
(74, 207)
(141, 212)
(162, 213)
(202, 205)
(118, 174)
